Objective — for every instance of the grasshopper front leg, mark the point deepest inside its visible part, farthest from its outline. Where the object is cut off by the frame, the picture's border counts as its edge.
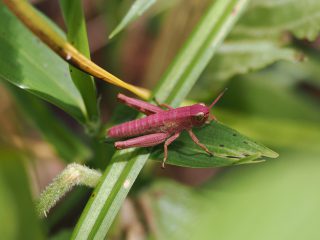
(197, 141)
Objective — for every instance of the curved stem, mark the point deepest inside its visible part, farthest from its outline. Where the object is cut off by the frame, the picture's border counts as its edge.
(74, 174)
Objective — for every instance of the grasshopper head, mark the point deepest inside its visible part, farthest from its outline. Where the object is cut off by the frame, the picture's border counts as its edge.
(200, 113)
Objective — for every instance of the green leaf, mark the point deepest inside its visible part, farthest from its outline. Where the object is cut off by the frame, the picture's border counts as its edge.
(77, 36)
(136, 10)
(17, 211)
(69, 147)
(32, 66)
(229, 147)
(125, 165)
(267, 19)
(239, 57)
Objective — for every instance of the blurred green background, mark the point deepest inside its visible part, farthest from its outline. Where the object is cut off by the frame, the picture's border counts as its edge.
(270, 63)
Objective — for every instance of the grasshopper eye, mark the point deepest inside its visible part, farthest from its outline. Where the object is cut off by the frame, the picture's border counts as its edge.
(199, 116)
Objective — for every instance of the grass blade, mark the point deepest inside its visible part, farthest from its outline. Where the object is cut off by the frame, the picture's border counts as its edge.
(136, 10)
(198, 50)
(77, 35)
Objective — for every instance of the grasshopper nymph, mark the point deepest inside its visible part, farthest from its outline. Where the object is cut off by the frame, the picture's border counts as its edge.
(160, 125)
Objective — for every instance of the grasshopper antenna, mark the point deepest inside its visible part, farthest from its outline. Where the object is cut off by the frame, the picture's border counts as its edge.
(212, 117)
(218, 98)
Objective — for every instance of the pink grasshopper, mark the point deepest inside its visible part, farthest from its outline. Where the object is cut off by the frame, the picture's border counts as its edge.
(160, 125)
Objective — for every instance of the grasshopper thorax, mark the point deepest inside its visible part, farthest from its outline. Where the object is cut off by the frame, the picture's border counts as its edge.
(199, 114)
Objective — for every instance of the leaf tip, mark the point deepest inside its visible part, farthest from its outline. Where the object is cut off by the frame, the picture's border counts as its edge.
(271, 154)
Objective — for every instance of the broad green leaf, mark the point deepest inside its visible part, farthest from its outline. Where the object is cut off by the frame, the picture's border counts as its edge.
(229, 147)
(69, 147)
(77, 36)
(17, 211)
(125, 165)
(32, 66)
(136, 10)
(265, 19)
(237, 57)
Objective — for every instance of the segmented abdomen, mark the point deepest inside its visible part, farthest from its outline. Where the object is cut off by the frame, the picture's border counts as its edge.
(166, 121)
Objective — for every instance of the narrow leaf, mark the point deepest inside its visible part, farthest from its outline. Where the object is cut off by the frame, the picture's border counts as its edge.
(198, 50)
(77, 36)
(136, 10)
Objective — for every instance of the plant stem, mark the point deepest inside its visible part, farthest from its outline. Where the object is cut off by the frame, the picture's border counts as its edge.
(74, 174)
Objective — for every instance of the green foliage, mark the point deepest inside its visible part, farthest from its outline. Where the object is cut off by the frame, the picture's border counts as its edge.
(68, 146)
(269, 19)
(77, 36)
(272, 98)
(261, 201)
(18, 216)
(31, 66)
(259, 39)
(229, 147)
(237, 57)
(136, 10)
